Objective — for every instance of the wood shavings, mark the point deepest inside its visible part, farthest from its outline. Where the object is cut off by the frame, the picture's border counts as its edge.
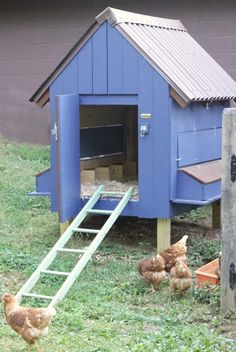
(87, 189)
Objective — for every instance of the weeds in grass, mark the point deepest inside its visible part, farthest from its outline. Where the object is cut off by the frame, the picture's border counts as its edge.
(208, 294)
(196, 214)
(202, 251)
(109, 308)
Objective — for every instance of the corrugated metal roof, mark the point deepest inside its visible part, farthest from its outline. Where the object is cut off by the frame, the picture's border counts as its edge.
(167, 46)
(115, 16)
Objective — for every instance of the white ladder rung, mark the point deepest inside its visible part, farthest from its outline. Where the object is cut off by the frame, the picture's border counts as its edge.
(85, 230)
(99, 211)
(71, 250)
(112, 193)
(63, 273)
(35, 295)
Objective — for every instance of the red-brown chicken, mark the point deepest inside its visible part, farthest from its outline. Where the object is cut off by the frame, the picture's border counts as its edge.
(177, 250)
(30, 323)
(156, 263)
(180, 277)
(152, 270)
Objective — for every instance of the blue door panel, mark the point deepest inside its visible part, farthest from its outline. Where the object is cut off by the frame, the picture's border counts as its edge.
(55, 89)
(68, 156)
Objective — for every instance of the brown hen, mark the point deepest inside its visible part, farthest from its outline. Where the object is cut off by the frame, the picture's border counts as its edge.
(177, 250)
(30, 323)
(180, 276)
(152, 270)
(156, 263)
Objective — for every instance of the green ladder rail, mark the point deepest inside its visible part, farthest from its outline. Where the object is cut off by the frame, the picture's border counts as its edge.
(85, 254)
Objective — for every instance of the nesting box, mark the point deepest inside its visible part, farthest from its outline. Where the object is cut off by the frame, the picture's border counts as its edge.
(136, 90)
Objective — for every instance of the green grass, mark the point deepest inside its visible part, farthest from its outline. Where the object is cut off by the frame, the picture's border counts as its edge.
(109, 308)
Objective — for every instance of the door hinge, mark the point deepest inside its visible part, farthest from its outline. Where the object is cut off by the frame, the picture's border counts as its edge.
(54, 131)
(233, 168)
(232, 276)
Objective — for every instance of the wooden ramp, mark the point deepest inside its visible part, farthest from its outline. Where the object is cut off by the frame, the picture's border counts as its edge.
(84, 254)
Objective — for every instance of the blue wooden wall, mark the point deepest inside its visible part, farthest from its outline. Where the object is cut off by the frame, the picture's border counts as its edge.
(108, 65)
(195, 136)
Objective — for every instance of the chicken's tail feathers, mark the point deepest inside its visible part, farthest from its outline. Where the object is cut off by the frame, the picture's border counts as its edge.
(183, 239)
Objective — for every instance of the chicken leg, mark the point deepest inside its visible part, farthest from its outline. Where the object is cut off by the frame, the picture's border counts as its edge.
(37, 347)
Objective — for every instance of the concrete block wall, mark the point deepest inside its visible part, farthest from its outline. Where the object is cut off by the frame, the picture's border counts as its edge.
(35, 35)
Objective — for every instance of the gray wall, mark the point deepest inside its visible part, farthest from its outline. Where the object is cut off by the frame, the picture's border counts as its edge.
(35, 35)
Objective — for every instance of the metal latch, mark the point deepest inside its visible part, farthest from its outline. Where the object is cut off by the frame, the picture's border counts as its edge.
(54, 131)
(233, 168)
(232, 276)
(144, 129)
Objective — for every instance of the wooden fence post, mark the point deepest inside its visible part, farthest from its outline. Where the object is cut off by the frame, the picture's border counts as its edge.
(228, 261)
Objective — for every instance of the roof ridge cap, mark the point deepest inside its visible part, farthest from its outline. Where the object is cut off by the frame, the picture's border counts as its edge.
(116, 16)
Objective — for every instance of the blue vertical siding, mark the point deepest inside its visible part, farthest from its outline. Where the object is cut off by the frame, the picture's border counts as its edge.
(115, 61)
(162, 143)
(130, 69)
(85, 69)
(146, 144)
(69, 81)
(196, 117)
(196, 147)
(99, 41)
(195, 136)
(174, 148)
(122, 64)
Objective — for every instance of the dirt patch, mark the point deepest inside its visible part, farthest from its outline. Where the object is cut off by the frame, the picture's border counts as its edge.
(134, 231)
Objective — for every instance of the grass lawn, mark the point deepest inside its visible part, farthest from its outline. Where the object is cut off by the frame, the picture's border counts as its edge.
(109, 308)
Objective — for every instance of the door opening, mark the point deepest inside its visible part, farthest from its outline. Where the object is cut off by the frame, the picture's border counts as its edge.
(108, 148)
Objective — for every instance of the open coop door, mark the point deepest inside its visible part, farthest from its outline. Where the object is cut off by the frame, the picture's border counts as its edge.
(68, 155)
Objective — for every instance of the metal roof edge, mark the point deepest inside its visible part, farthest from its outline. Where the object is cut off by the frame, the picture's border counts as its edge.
(116, 16)
(60, 67)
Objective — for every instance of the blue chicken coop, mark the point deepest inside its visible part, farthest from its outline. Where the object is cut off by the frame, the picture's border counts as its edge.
(140, 94)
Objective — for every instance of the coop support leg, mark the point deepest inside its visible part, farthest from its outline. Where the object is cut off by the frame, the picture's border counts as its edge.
(216, 214)
(64, 226)
(163, 234)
